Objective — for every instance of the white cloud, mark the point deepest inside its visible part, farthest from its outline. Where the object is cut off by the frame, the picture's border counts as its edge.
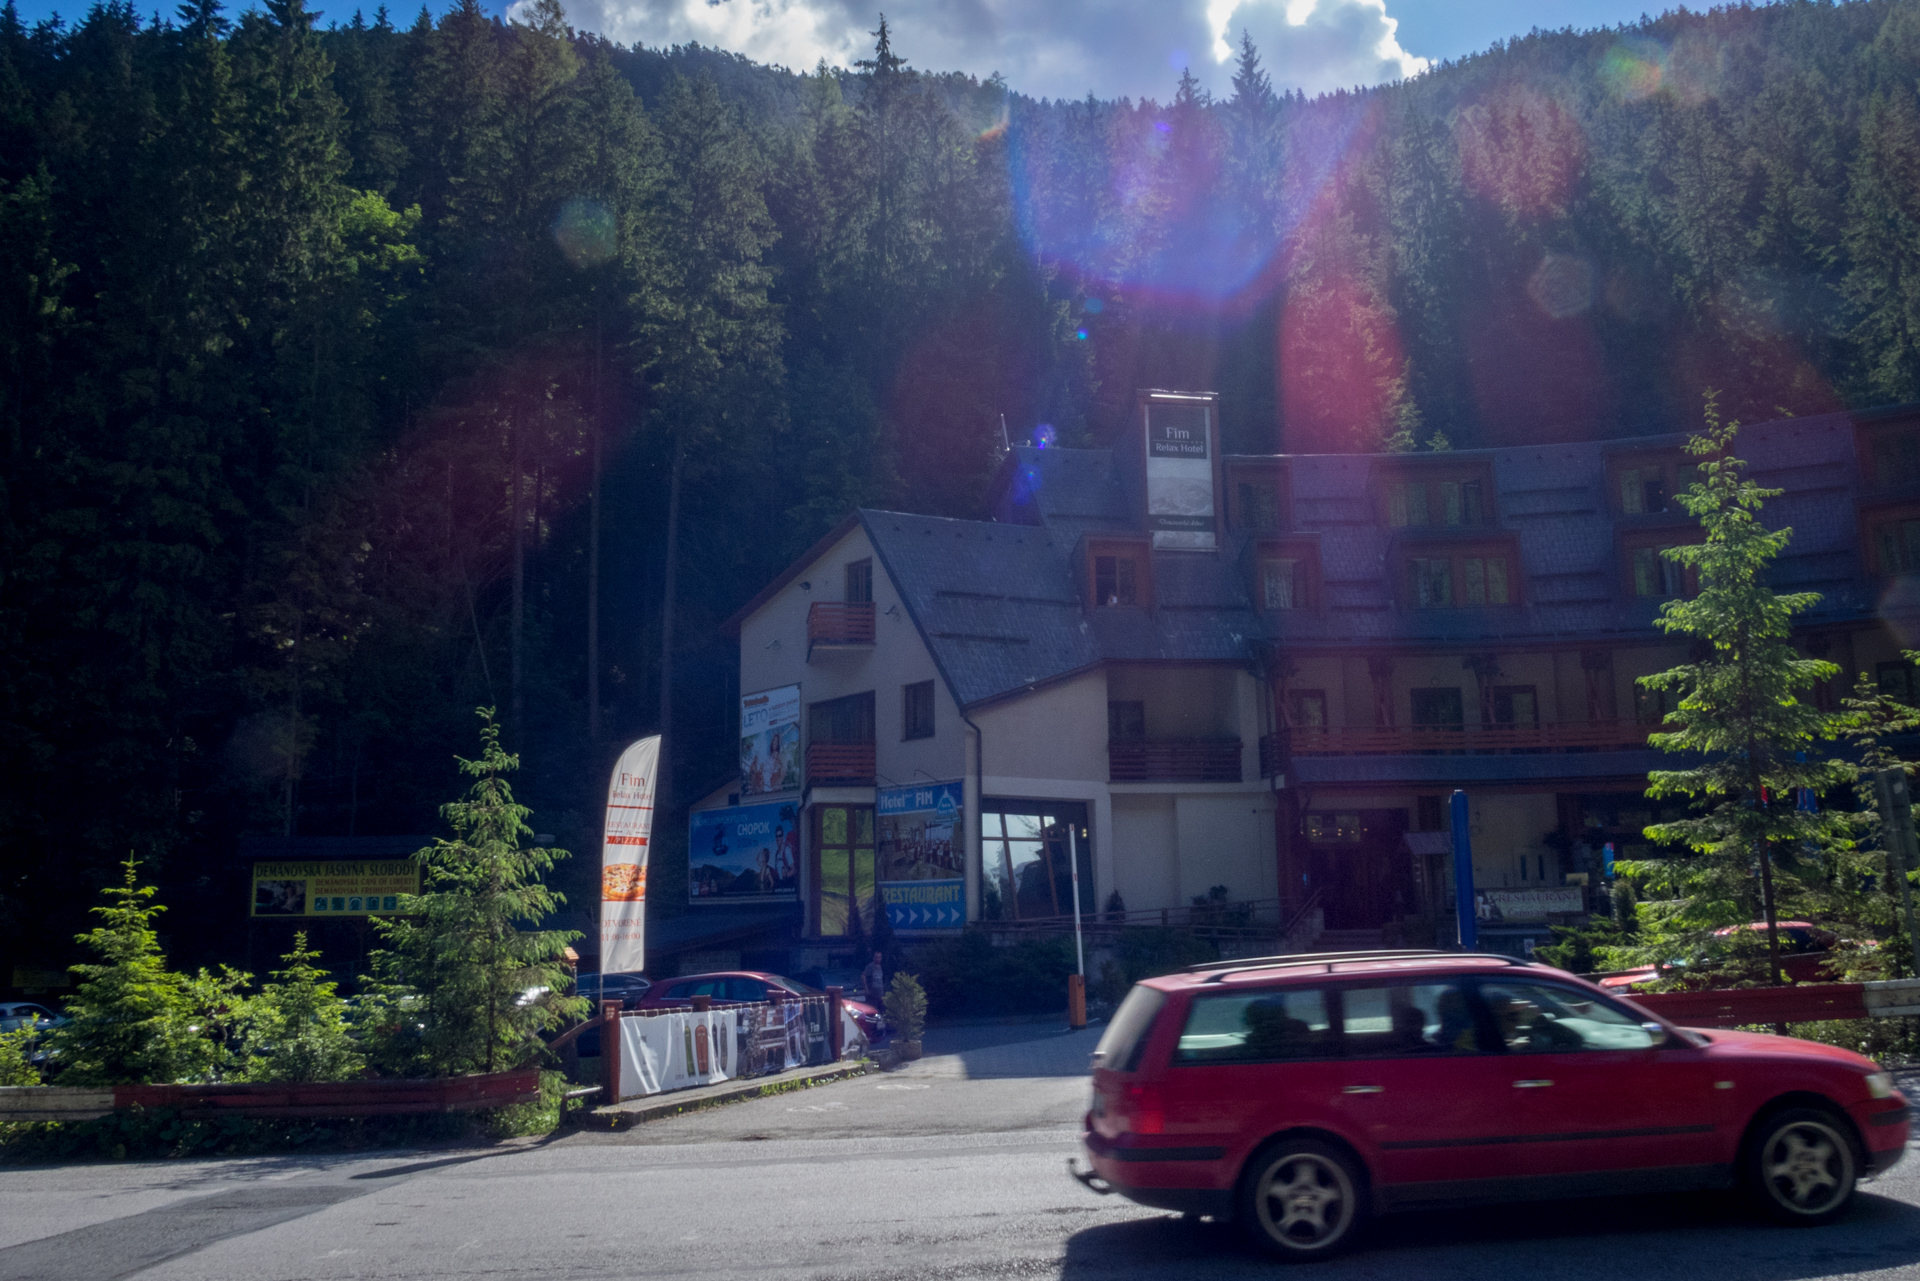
(1055, 48)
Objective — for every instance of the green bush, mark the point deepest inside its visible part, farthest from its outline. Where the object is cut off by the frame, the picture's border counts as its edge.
(296, 1029)
(907, 1006)
(16, 1068)
(134, 1020)
(1147, 951)
(969, 975)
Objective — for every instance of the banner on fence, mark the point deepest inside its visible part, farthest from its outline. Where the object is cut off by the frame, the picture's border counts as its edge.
(1530, 905)
(919, 857)
(678, 1051)
(623, 858)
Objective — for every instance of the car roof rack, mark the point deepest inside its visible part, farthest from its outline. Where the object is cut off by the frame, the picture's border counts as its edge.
(1218, 970)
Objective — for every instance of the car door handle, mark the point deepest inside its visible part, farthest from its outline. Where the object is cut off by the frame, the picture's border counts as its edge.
(1531, 1085)
(1364, 1089)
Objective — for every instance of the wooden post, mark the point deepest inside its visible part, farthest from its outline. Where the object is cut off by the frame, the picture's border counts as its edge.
(701, 1004)
(1076, 1000)
(610, 1048)
(833, 1022)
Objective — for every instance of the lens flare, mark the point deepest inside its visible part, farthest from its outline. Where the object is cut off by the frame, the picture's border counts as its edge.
(1093, 306)
(1562, 285)
(585, 232)
(1043, 436)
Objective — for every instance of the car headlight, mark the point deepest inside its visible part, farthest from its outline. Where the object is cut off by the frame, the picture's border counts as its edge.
(1879, 1085)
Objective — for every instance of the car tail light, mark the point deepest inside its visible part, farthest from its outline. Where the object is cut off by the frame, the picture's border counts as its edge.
(1146, 1111)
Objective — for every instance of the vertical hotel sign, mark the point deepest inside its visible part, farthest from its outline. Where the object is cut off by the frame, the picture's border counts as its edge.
(1180, 497)
(623, 858)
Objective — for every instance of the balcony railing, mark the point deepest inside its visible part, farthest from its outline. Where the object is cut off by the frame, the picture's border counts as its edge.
(1414, 740)
(839, 764)
(1174, 760)
(832, 625)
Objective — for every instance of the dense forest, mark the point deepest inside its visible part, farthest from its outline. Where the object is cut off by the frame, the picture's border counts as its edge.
(352, 378)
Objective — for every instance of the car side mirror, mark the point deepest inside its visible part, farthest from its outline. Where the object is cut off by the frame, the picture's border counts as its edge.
(1656, 1034)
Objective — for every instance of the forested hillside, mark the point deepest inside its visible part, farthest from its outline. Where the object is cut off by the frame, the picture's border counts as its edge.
(354, 377)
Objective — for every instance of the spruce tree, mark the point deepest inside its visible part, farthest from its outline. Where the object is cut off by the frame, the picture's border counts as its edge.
(297, 1028)
(1741, 711)
(132, 1017)
(465, 983)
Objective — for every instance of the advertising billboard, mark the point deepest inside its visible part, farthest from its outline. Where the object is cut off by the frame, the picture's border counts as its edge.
(770, 741)
(328, 888)
(746, 852)
(921, 865)
(1180, 499)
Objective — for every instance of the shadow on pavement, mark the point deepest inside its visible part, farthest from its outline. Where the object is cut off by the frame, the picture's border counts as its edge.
(1693, 1237)
(1006, 1051)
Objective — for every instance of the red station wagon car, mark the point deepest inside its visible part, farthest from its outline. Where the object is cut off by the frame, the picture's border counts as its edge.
(1298, 1095)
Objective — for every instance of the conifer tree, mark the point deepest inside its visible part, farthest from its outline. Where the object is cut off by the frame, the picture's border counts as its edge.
(466, 982)
(296, 1029)
(1742, 709)
(132, 1017)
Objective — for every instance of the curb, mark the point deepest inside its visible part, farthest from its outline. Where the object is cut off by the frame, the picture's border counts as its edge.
(616, 1117)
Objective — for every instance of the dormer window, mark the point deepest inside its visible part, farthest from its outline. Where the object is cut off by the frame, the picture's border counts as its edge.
(1893, 540)
(1446, 577)
(1117, 573)
(1113, 580)
(1286, 574)
(1258, 492)
(1644, 484)
(1649, 574)
(1419, 504)
(1892, 456)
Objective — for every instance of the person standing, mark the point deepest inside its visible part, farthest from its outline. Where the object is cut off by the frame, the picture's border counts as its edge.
(873, 984)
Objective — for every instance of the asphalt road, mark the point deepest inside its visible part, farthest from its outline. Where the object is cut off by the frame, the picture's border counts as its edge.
(951, 1168)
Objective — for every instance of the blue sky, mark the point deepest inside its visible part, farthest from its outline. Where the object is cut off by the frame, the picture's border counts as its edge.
(1067, 48)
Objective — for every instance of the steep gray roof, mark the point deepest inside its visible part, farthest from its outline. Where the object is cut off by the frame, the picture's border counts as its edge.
(998, 603)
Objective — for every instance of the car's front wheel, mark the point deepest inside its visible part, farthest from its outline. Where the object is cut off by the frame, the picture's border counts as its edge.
(1801, 1167)
(1302, 1199)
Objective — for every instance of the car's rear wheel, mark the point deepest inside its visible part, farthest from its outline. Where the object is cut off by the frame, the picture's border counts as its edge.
(1302, 1199)
(1801, 1166)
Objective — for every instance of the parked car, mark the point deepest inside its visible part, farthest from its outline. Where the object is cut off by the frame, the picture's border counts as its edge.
(1805, 949)
(16, 1015)
(627, 989)
(748, 985)
(1300, 1096)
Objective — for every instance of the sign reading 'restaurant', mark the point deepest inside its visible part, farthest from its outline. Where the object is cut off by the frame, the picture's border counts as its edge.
(1180, 499)
(346, 888)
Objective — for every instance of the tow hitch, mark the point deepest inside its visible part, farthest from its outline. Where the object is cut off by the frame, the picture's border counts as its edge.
(1087, 1178)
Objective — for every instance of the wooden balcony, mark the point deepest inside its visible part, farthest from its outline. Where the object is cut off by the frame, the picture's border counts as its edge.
(832, 625)
(1174, 760)
(839, 764)
(1417, 740)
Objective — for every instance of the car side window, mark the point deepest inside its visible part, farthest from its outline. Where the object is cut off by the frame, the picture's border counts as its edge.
(746, 990)
(1539, 1018)
(1257, 1027)
(1404, 1020)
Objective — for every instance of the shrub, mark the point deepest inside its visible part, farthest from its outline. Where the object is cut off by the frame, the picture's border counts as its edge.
(16, 1063)
(296, 1029)
(133, 1019)
(907, 1007)
(969, 975)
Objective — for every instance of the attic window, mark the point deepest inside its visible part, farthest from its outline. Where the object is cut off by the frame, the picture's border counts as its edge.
(1113, 580)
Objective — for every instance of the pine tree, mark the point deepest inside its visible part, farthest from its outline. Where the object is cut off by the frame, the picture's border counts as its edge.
(1741, 710)
(465, 984)
(132, 1017)
(296, 1029)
